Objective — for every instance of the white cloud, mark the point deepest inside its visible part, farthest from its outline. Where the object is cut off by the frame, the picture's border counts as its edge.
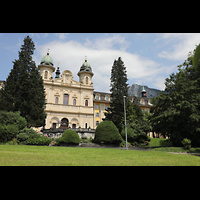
(101, 55)
(181, 44)
(107, 42)
(61, 35)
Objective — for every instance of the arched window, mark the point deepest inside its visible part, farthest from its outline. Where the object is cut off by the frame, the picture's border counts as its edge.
(86, 80)
(86, 102)
(56, 100)
(45, 74)
(66, 99)
(97, 97)
(74, 102)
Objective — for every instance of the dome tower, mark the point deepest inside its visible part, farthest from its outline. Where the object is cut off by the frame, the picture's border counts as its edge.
(46, 67)
(85, 74)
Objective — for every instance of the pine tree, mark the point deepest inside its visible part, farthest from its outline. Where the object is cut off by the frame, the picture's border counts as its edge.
(23, 89)
(119, 89)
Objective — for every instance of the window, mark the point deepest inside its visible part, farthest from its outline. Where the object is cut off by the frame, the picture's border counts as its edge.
(54, 125)
(97, 97)
(97, 106)
(85, 125)
(106, 98)
(106, 107)
(86, 80)
(86, 102)
(73, 125)
(66, 99)
(97, 123)
(56, 100)
(97, 114)
(45, 74)
(74, 102)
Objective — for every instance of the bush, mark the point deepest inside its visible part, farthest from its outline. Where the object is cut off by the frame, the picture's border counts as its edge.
(12, 142)
(41, 140)
(10, 124)
(68, 137)
(8, 132)
(106, 132)
(186, 143)
(27, 133)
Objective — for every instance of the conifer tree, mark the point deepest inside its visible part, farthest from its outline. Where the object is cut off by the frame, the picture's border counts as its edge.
(23, 89)
(119, 89)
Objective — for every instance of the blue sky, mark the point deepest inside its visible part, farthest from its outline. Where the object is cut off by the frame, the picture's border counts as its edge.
(148, 57)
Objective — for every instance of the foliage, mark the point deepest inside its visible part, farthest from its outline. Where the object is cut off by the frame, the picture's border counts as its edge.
(186, 143)
(10, 125)
(196, 58)
(107, 133)
(27, 133)
(135, 134)
(68, 137)
(176, 111)
(41, 140)
(13, 118)
(139, 124)
(23, 90)
(14, 141)
(119, 89)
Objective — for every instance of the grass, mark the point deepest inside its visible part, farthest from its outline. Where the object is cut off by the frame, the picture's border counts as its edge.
(49, 156)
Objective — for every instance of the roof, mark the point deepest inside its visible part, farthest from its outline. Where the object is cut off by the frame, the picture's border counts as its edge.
(47, 60)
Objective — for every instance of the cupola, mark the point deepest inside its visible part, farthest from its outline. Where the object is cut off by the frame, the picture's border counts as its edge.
(85, 73)
(143, 92)
(46, 67)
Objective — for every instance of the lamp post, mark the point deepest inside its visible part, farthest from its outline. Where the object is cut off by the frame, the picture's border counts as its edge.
(125, 122)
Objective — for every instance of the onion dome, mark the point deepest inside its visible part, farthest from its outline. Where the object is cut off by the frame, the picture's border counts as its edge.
(47, 60)
(86, 67)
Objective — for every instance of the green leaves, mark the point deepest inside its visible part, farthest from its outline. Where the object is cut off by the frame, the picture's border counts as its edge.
(176, 111)
(196, 58)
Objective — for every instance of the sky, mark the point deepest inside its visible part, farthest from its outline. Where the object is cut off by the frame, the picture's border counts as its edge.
(149, 58)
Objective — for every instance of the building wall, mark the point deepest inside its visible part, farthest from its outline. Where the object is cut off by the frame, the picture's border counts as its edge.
(77, 111)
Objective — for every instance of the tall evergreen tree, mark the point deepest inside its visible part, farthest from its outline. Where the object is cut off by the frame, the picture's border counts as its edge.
(23, 89)
(119, 89)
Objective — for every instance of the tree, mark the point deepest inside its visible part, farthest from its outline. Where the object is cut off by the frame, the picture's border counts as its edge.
(119, 89)
(176, 111)
(23, 89)
(138, 124)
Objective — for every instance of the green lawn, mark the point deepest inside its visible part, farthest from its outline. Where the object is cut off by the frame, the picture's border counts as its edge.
(48, 156)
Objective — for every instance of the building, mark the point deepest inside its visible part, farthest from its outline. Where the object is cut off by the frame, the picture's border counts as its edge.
(71, 103)
(144, 102)
(101, 103)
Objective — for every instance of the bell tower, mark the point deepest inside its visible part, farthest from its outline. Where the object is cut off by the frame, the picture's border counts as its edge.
(85, 74)
(46, 67)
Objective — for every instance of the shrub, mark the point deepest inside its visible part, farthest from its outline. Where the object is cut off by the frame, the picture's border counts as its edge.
(12, 142)
(27, 133)
(69, 137)
(186, 143)
(8, 132)
(41, 140)
(107, 133)
(10, 124)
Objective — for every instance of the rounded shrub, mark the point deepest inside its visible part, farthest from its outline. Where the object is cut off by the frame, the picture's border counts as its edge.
(106, 132)
(69, 137)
